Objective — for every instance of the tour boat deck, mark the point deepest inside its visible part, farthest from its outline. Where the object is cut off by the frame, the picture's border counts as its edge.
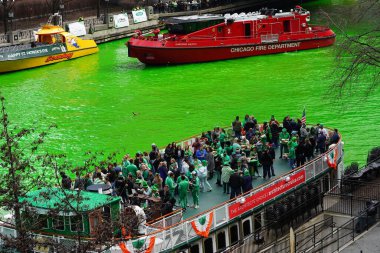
(207, 200)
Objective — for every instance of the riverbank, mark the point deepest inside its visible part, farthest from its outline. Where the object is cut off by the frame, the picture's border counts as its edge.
(102, 30)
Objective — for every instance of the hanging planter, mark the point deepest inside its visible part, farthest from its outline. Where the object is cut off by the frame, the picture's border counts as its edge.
(139, 245)
(202, 225)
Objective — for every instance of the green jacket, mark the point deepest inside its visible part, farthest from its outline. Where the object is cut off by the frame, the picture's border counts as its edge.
(170, 183)
(195, 185)
(284, 135)
(183, 186)
(132, 169)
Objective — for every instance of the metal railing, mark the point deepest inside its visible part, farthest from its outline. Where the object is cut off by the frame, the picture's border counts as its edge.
(340, 236)
(350, 196)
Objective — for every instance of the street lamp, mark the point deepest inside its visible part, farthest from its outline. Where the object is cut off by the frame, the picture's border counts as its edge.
(106, 14)
(11, 16)
(7, 7)
(62, 7)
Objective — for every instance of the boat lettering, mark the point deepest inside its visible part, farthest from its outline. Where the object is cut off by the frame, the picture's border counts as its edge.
(242, 49)
(59, 57)
(37, 51)
(264, 47)
(285, 45)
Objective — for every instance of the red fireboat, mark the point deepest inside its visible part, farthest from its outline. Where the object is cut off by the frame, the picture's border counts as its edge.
(203, 38)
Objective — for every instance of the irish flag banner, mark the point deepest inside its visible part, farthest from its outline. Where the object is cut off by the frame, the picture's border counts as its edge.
(144, 245)
(202, 225)
(332, 157)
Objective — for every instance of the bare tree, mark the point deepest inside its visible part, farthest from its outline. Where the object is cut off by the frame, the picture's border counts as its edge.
(358, 55)
(21, 170)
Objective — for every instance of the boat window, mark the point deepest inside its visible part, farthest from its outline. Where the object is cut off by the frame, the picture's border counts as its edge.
(257, 221)
(220, 29)
(107, 213)
(59, 223)
(208, 245)
(247, 30)
(221, 241)
(194, 248)
(234, 234)
(286, 26)
(76, 223)
(42, 222)
(246, 228)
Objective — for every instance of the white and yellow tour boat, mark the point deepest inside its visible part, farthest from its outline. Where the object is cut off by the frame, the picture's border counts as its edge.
(53, 45)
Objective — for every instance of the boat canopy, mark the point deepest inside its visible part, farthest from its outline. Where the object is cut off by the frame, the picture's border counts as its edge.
(189, 24)
(50, 29)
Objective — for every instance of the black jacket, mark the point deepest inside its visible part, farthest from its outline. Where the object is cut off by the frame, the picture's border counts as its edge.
(236, 181)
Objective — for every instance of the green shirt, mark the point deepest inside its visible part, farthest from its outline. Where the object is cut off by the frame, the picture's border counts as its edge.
(170, 183)
(132, 169)
(183, 186)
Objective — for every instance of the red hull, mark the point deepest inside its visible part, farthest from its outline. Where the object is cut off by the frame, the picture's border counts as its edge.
(159, 55)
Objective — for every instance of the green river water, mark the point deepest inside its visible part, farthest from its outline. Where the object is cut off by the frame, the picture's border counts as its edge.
(92, 99)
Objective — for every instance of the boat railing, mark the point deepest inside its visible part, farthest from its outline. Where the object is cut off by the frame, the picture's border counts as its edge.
(164, 221)
(223, 213)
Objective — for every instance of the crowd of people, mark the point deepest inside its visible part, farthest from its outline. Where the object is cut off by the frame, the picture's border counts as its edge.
(234, 157)
(164, 6)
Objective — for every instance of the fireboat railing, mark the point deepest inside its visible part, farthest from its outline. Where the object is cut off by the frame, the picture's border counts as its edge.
(183, 232)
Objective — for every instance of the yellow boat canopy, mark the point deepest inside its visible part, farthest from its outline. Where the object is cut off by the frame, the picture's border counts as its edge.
(50, 29)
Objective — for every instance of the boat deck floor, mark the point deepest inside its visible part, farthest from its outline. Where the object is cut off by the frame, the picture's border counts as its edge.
(207, 200)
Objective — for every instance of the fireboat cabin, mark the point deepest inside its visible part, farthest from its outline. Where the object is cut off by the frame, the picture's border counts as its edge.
(53, 211)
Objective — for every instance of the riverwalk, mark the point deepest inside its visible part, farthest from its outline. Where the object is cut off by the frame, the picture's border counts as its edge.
(102, 29)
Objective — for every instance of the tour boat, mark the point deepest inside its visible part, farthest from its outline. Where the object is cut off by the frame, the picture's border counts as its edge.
(203, 38)
(53, 45)
(241, 221)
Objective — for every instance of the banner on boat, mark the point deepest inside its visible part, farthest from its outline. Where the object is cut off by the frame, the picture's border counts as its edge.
(139, 16)
(77, 28)
(121, 20)
(33, 52)
(258, 198)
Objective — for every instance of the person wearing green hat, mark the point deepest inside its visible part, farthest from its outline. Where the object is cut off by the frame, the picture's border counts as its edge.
(284, 138)
(292, 144)
(203, 177)
(183, 187)
(146, 189)
(194, 186)
(247, 181)
(170, 183)
(155, 193)
(222, 137)
(226, 173)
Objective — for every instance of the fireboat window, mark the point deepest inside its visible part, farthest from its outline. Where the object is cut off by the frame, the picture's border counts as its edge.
(286, 26)
(247, 28)
(220, 29)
